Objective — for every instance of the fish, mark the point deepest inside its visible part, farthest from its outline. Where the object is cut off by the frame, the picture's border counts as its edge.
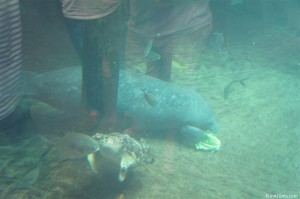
(174, 107)
(148, 47)
(144, 56)
(149, 54)
(150, 97)
(75, 145)
(227, 89)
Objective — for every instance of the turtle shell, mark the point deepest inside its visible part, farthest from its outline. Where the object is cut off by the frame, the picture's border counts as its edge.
(126, 143)
(141, 153)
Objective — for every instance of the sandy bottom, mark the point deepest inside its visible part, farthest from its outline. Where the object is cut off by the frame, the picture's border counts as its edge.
(259, 122)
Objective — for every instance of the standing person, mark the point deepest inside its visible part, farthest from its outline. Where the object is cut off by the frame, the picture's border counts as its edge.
(10, 63)
(154, 25)
(95, 28)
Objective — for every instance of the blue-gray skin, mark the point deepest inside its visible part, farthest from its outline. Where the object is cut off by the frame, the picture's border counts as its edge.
(151, 103)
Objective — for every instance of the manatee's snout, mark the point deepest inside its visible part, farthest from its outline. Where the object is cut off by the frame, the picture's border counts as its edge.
(213, 126)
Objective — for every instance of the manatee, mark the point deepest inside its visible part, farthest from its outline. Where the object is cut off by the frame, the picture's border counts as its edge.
(153, 105)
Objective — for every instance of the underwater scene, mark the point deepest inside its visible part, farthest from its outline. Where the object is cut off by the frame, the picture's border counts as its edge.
(158, 99)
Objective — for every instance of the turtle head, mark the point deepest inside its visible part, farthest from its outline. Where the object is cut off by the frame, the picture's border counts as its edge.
(108, 142)
(147, 156)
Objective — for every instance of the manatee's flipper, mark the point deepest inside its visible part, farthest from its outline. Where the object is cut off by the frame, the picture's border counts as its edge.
(126, 161)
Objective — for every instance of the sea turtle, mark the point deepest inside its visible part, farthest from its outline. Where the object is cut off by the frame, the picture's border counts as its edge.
(123, 149)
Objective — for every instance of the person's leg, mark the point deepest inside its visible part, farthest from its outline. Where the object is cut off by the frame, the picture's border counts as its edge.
(161, 68)
(76, 29)
(111, 29)
(190, 46)
(10, 63)
(91, 68)
(134, 51)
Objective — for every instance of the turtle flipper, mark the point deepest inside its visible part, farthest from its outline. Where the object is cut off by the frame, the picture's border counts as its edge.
(126, 161)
